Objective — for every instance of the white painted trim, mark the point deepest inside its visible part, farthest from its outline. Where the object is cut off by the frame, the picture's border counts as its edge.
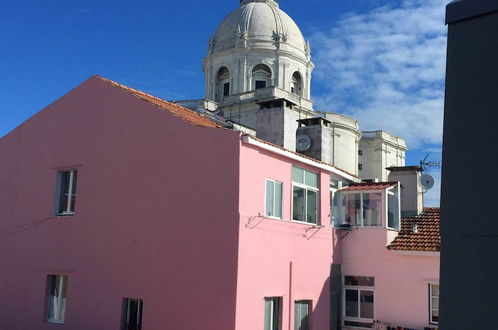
(417, 253)
(249, 140)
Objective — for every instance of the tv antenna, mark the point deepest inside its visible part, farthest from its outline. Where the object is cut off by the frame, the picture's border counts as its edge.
(424, 163)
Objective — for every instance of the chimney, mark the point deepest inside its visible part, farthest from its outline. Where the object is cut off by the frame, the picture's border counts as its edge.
(411, 192)
(276, 123)
(314, 138)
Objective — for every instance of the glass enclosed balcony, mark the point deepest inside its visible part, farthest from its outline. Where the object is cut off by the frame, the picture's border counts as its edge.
(367, 205)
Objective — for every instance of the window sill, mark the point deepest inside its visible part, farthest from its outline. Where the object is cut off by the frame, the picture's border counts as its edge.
(62, 215)
(55, 321)
(311, 224)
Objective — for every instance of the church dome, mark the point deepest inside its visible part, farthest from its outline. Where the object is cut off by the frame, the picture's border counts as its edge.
(258, 23)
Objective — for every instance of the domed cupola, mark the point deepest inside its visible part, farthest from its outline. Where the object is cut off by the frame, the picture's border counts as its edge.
(257, 46)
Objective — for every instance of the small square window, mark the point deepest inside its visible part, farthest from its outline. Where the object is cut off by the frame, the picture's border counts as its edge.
(56, 298)
(132, 314)
(360, 167)
(66, 192)
(360, 152)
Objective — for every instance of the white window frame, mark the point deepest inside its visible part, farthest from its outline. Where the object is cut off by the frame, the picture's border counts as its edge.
(359, 318)
(71, 192)
(306, 188)
(389, 192)
(56, 303)
(274, 198)
(431, 309)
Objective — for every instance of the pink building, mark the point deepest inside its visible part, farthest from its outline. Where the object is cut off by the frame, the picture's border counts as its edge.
(119, 210)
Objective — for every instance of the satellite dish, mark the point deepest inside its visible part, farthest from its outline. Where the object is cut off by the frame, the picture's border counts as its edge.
(303, 142)
(426, 181)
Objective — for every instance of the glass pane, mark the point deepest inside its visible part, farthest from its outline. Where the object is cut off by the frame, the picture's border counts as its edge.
(353, 212)
(435, 290)
(372, 206)
(278, 200)
(270, 193)
(311, 179)
(435, 303)
(260, 84)
(301, 315)
(268, 314)
(435, 316)
(334, 184)
(352, 303)
(297, 174)
(277, 306)
(312, 203)
(298, 203)
(63, 191)
(393, 209)
(366, 304)
(359, 280)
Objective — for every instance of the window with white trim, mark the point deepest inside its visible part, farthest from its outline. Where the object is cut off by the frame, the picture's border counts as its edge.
(362, 209)
(66, 191)
(273, 313)
(305, 195)
(393, 207)
(302, 314)
(359, 301)
(434, 303)
(132, 314)
(273, 199)
(56, 298)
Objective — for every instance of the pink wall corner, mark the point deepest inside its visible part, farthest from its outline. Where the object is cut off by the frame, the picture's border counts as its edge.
(279, 257)
(156, 215)
(401, 281)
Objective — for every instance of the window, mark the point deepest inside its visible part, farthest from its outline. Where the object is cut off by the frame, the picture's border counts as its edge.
(273, 313)
(305, 195)
(226, 89)
(56, 298)
(297, 84)
(66, 189)
(359, 301)
(302, 313)
(360, 167)
(222, 84)
(360, 152)
(261, 76)
(132, 314)
(434, 303)
(273, 196)
(260, 84)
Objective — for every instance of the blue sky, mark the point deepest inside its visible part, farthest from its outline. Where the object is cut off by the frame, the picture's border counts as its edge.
(380, 61)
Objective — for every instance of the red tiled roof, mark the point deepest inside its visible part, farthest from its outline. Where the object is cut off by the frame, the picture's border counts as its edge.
(188, 115)
(427, 237)
(370, 186)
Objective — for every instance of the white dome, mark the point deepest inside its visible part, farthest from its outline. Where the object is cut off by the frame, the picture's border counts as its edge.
(258, 22)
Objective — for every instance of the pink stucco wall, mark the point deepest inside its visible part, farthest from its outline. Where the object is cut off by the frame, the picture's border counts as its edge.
(156, 215)
(401, 293)
(280, 258)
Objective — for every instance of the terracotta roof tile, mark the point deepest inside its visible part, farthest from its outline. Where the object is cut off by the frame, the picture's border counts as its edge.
(181, 112)
(427, 238)
(370, 186)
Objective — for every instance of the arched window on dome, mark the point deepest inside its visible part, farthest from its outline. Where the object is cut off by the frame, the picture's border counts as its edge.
(261, 76)
(222, 84)
(297, 84)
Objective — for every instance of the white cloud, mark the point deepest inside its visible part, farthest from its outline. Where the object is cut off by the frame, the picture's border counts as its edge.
(386, 68)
